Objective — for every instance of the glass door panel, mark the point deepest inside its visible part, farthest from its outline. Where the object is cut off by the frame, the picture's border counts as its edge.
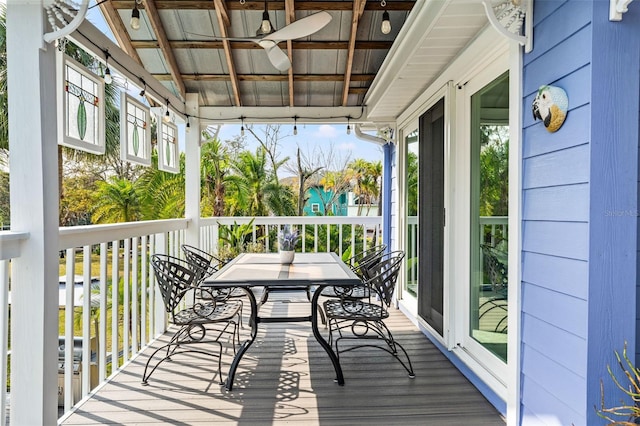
(489, 216)
(412, 168)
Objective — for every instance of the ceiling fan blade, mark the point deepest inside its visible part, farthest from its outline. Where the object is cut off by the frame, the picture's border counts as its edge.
(278, 58)
(301, 28)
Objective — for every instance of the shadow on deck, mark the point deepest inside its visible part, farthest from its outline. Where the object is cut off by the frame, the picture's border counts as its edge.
(286, 377)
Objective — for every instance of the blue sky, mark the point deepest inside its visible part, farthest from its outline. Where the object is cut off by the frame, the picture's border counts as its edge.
(310, 138)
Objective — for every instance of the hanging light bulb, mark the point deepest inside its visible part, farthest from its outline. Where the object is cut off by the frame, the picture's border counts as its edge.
(167, 116)
(242, 127)
(348, 126)
(107, 76)
(108, 79)
(386, 23)
(188, 128)
(265, 25)
(295, 126)
(135, 17)
(144, 88)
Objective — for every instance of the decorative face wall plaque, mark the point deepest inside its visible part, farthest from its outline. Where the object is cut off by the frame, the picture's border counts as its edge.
(81, 107)
(550, 106)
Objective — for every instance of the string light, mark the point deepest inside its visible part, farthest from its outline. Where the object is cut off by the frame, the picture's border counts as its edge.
(135, 17)
(386, 23)
(107, 72)
(295, 125)
(265, 27)
(348, 126)
(167, 116)
(188, 128)
(144, 87)
(242, 127)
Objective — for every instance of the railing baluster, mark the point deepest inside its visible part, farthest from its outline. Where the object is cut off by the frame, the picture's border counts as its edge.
(86, 320)
(115, 301)
(126, 342)
(4, 336)
(102, 326)
(134, 297)
(68, 329)
(143, 291)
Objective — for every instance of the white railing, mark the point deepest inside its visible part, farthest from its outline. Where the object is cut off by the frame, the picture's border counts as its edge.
(338, 234)
(120, 254)
(9, 249)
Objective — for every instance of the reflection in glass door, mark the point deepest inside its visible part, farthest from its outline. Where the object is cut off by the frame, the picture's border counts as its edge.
(489, 216)
(411, 263)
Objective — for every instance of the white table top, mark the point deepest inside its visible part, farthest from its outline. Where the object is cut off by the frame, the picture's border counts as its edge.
(253, 269)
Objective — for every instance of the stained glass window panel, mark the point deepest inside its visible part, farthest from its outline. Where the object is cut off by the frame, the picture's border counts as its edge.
(135, 134)
(168, 148)
(82, 108)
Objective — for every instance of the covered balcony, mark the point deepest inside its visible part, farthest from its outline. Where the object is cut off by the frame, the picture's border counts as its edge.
(343, 73)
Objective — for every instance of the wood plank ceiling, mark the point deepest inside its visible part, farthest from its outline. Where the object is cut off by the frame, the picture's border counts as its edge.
(179, 43)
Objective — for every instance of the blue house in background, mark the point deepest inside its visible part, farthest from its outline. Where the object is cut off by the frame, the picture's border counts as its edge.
(318, 198)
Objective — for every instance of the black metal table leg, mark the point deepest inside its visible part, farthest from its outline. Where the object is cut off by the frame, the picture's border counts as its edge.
(316, 333)
(253, 323)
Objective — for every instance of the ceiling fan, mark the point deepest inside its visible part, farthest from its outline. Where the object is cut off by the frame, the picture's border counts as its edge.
(268, 39)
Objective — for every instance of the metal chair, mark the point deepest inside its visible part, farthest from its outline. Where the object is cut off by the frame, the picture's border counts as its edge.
(206, 265)
(175, 279)
(358, 264)
(359, 319)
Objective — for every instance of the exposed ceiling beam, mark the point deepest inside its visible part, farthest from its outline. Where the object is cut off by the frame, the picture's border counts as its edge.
(307, 45)
(118, 29)
(165, 47)
(269, 77)
(273, 5)
(224, 23)
(358, 9)
(290, 16)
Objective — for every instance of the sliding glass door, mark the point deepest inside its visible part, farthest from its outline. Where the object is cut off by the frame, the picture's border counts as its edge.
(489, 243)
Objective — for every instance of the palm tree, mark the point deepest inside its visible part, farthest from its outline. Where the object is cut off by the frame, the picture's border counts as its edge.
(163, 194)
(366, 176)
(261, 194)
(116, 201)
(216, 176)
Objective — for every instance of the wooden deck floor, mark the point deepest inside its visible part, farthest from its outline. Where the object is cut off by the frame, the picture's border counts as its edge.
(286, 378)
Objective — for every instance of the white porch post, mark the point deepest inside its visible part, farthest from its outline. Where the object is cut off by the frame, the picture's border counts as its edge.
(192, 172)
(31, 69)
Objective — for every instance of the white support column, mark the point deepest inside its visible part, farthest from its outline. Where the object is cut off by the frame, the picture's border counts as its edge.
(34, 208)
(192, 172)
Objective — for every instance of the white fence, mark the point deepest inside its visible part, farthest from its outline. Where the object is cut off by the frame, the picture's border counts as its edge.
(117, 279)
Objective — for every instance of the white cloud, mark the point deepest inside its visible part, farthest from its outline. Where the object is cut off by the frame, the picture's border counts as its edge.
(347, 146)
(326, 131)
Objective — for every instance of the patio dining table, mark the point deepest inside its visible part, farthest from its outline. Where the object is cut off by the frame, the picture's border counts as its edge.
(249, 270)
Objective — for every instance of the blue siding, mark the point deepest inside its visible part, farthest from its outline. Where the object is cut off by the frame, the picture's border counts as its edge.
(579, 259)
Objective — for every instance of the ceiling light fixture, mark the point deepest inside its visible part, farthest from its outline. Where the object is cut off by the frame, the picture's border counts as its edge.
(167, 116)
(188, 128)
(242, 126)
(295, 125)
(135, 16)
(265, 26)
(107, 72)
(348, 126)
